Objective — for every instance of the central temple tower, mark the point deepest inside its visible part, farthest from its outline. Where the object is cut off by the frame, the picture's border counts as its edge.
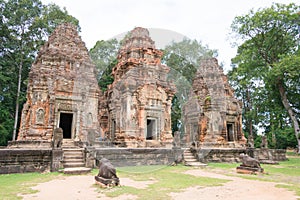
(139, 99)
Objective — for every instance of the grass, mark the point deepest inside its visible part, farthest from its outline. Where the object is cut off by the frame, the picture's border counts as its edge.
(225, 166)
(286, 174)
(286, 168)
(13, 184)
(167, 179)
(292, 154)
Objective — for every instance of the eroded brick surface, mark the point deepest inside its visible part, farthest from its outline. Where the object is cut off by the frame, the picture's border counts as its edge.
(62, 88)
(213, 116)
(139, 99)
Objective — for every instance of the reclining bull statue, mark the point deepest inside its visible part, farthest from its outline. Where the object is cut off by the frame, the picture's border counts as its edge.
(107, 173)
(250, 162)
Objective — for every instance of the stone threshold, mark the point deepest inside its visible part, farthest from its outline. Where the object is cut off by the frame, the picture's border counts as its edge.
(76, 170)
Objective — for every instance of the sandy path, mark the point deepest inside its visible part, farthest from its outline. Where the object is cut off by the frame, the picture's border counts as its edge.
(81, 188)
(236, 189)
(77, 188)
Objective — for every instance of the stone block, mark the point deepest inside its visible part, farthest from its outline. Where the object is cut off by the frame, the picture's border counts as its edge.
(249, 170)
(24, 160)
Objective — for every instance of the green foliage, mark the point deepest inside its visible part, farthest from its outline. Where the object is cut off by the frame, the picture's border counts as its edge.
(282, 139)
(257, 141)
(184, 59)
(266, 69)
(24, 26)
(104, 55)
(176, 115)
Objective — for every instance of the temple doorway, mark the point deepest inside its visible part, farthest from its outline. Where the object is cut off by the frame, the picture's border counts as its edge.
(65, 123)
(151, 129)
(113, 129)
(230, 132)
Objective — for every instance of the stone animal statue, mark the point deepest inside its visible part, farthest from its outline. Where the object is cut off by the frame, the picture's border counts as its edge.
(107, 173)
(57, 138)
(264, 142)
(247, 161)
(176, 139)
(178, 159)
(250, 141)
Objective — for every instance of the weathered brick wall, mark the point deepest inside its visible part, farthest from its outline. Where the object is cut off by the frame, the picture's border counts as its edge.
(232, 155)
(270, 154)
(142, 156)
(24, 160)
(219, 155)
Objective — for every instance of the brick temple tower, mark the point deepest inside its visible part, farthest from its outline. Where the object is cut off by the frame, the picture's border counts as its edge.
(62, 90)
(139, 99)
(212, 115)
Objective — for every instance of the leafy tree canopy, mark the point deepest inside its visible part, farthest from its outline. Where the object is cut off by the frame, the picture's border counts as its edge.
(24, 26)
(266, 68)
(104, 55)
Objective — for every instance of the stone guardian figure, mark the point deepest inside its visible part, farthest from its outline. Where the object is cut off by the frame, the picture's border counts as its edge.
(57, 138)
(107, 175)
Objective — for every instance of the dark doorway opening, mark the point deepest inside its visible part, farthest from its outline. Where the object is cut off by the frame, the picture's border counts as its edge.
(113, 130)
(151, 131)
(230, 132)
(66, 124)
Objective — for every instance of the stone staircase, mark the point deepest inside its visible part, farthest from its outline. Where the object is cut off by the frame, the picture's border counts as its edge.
(73, 158)
(190, 160)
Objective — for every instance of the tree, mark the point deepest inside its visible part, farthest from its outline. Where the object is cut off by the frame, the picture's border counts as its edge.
(269, 53)
(104, 55)
(25, 24)
(184, 59)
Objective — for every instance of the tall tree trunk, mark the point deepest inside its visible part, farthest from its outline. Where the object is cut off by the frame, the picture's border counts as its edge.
(17, 101)
(249, 108)
(291, 113)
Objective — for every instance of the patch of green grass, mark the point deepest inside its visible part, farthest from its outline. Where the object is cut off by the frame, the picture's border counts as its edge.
(13, 184)
(286, 172)
(291, 167)
(223, 165)
(292, 153)
(167, 179)
(295, 188)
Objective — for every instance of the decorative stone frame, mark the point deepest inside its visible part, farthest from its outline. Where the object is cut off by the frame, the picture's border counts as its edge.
(71, 108)
(40, 116)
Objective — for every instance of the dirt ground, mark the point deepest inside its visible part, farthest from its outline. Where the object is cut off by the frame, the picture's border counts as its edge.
(82, 188)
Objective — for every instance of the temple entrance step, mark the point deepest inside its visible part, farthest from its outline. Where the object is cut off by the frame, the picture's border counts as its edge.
(77, 170)
(191, 160)
(73, 159)
(68, 144)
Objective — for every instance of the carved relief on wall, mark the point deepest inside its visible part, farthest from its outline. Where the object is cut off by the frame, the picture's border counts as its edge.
(151, 95)
(203, 124)
(64, 85)
(67, 107)
(40, 116)
(89, 119)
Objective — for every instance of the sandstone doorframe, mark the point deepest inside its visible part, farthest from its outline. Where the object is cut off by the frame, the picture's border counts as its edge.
(67, 120)
(230, 132)
(63, 106)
